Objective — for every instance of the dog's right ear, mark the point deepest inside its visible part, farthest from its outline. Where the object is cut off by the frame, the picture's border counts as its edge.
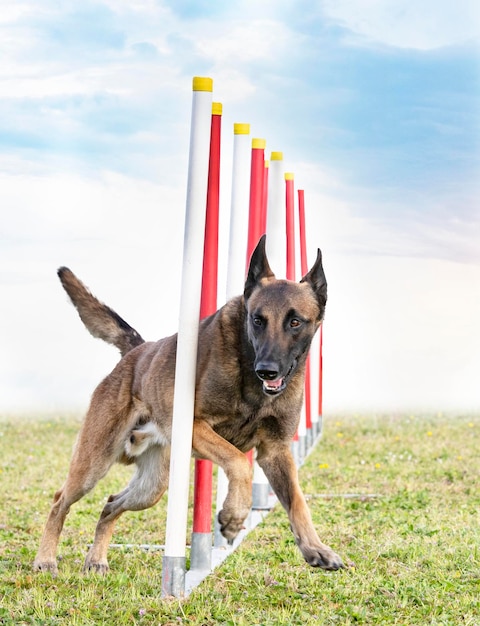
(258, 269)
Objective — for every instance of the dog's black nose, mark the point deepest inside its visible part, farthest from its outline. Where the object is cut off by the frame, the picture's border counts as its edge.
(267, 374)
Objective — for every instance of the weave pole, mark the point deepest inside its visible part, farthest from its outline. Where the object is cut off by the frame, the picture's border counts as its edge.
(314, 383)
(299, 437)
(276, 243)
(257, 225)
(257, 208)
(257, 217)
(266, 170)
(236, 258)
(174, 560)
(320, 383)
(290, 225)
(304, 269)
(201, 550)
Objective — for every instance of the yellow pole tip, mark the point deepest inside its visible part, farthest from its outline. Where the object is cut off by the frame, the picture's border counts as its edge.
(201, 83)
(276, 156)
(241, 129)
(217, 108)
(259, 143)
(289, 176)
(267, 164)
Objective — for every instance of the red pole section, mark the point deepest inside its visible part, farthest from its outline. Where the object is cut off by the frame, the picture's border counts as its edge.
(208, 302)
(202, 513)
(290, 224)
(256, 216)
(320, 378)
(266, 169)
(290, 233)
(304, 269)
(303, 236)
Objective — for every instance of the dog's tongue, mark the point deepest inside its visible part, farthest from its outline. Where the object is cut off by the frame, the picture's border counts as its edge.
(273, 384)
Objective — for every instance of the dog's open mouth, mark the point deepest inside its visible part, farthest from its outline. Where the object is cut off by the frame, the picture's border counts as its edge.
(274, 387)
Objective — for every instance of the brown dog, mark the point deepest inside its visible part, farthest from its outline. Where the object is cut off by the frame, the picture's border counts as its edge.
(249, 390)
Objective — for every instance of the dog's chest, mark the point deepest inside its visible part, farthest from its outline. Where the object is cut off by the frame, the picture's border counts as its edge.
(239, 431)
(245, 429)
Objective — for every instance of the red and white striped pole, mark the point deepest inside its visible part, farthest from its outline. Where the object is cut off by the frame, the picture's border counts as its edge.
(304, 268)
(201, 550)
(174, 560)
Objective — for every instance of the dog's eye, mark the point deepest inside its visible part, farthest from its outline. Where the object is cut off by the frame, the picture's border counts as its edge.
(295, 323)
(257, 321)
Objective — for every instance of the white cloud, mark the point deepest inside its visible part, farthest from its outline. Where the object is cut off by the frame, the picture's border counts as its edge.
(408, 23)
(258, 40)
(402, 333)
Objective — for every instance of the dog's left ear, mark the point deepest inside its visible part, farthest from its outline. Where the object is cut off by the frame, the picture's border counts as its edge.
(318, 282)
(258, 269)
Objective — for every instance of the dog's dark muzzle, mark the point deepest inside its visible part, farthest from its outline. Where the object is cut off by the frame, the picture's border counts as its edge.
(269, 374)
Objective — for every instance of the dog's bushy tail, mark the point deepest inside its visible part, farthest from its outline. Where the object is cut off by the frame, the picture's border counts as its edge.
(101, 321)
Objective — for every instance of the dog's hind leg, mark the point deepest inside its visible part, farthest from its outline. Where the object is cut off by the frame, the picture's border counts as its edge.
(82, 477)
(277, 462)
(147, 486)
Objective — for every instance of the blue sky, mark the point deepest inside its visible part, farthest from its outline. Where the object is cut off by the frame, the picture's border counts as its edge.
(375, 106)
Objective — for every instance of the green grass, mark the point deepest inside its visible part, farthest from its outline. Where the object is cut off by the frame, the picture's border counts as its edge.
(412, 538)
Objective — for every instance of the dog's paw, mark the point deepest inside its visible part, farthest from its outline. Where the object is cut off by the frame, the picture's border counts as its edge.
(230, 524)
(322, 556)
(100, 567)
(45, 565)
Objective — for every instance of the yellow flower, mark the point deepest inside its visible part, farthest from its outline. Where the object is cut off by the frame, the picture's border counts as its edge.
(323, 466)
(378, 465)
(429, 434)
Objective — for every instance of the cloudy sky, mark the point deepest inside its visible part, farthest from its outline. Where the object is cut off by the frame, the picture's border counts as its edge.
(375, 106)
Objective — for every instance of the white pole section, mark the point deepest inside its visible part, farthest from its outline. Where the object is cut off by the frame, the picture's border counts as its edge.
(239, 210)
(276, 240)
(173, 573)
(236, 260)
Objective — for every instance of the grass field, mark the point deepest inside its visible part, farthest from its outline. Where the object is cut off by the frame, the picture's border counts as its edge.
(411, 536)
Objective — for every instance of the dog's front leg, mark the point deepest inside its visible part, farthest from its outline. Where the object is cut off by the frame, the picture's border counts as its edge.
(277, 462)
(207, 444)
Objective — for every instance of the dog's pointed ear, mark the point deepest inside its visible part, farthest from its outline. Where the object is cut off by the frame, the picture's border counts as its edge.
(258, 269)
(318, 282)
